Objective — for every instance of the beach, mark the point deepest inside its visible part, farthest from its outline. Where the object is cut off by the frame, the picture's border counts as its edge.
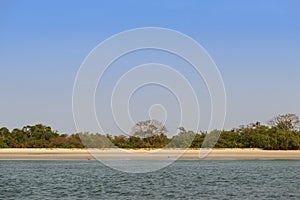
(146, 154)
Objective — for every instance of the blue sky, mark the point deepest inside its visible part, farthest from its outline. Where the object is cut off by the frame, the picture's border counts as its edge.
(255, 44)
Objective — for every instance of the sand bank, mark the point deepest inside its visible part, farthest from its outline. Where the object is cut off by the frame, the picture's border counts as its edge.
(144, 154)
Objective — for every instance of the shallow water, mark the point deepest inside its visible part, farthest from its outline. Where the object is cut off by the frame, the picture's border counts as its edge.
(181, 180)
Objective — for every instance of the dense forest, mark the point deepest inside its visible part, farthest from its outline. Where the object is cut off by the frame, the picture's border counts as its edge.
(281, 133)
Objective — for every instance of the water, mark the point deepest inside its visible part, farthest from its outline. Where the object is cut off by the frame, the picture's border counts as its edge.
(181, 180)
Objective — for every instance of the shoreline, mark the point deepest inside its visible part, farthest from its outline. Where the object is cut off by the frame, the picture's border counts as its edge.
(145, 154)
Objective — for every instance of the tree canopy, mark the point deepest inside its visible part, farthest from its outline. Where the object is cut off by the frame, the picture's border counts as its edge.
(287, 122)
(148, 128)
(282, 134)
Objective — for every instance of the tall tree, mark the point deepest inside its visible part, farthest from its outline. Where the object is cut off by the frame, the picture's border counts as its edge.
(287, 122)
(148, 128)
(5, 138)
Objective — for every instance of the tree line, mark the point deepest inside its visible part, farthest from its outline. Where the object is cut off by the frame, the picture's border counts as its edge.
(282, 133)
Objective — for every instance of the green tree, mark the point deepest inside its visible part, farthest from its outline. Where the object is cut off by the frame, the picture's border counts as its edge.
(5, 139)
(183, 139)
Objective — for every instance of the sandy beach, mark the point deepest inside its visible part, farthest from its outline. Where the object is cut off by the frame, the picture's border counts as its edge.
(144, 154)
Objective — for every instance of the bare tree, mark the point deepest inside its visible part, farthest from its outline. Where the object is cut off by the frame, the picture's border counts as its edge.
(287, 122)
(148, 128)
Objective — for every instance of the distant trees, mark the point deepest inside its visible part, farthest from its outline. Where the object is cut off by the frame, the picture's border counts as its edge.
(38, 136)
(287, 122)
(148, 128)
(183, 139)
(95, 140)
(5, 138)
(149, 134)
(283, 134)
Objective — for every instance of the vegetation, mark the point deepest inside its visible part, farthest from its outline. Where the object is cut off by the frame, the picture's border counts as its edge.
(281, 134)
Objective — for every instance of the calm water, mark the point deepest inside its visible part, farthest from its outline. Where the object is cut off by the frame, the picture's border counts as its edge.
(181, 180)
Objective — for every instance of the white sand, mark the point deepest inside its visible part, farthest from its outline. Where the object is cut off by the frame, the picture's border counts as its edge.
(144, 154)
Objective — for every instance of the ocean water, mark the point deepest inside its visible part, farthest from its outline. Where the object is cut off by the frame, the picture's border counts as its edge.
(181, 180)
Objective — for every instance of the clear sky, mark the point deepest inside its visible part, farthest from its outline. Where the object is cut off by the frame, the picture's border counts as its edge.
(255, 44)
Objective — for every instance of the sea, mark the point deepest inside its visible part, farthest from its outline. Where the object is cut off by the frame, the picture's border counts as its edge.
(184, 179)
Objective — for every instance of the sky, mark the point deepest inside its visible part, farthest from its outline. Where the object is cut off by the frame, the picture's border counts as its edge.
(255, 45)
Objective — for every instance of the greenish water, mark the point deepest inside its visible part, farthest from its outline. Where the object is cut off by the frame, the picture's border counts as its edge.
(181, 180)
